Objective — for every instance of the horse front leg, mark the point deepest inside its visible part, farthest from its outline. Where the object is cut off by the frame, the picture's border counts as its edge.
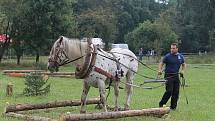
(129, 89)
(116, 93)
(85, 91)
(102, 92)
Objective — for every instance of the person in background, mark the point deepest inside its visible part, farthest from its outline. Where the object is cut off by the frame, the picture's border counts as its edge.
(141, 54)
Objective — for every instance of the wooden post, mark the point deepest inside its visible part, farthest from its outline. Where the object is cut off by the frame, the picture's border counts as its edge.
(9, 89)
(23, 107)
(157, 112)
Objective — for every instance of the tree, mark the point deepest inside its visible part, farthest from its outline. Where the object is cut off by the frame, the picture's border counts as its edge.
(195, 20)
(35, 23)
(151, 35)
(5, 22)
(96, 20)
(36, 84)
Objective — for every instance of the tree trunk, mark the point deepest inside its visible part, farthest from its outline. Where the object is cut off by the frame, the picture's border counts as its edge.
(2, 50)
(23, 107)
(157, 112)
(18, 59)
(5, 44)
(28, 117)
(37, 57)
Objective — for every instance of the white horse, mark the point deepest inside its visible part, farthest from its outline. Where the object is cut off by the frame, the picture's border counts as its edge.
(96, 67)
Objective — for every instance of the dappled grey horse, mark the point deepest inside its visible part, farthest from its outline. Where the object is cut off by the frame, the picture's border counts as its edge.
(96, 67)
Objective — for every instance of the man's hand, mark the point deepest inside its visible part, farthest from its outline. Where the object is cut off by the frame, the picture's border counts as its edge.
(181, 73)
(159, 72)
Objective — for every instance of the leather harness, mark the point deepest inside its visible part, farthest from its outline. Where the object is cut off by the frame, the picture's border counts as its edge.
(89, 64)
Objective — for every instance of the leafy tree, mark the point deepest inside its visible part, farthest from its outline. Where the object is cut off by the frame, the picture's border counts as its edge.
(196, 25)
(151, 35)
(35, 23)
(96, 20)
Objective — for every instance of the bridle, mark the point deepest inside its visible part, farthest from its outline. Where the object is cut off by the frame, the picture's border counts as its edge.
(60, 58)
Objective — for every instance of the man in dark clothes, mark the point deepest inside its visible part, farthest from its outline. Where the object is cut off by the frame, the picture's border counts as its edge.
(173, 61)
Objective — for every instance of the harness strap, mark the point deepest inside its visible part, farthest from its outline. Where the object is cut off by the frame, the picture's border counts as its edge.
(105, 73)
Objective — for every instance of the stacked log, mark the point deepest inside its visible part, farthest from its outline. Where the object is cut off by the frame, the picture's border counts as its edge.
(24, 107)
(23, 73)
(157, 112)
(28, 117)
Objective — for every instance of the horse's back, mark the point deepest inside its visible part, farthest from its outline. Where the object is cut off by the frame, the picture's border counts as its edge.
(123, 51)
(127, 57)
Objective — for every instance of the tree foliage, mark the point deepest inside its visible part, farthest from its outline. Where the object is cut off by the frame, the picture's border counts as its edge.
(34, 25)
(151, 35)
(36, 85)
(195, 20)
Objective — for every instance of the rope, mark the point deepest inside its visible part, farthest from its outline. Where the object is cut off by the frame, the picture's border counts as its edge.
(183, 86)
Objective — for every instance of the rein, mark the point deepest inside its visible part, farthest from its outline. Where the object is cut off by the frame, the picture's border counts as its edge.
(70, 61)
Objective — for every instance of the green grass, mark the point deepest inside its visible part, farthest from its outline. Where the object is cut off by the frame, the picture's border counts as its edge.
(200, 92)
(203, 59)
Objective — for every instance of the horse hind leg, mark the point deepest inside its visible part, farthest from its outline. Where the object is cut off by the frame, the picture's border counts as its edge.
(116, 93)
(102, 92)
(129, 88)
(85, 91)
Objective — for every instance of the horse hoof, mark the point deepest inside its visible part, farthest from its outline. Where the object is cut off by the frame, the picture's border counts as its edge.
(98, 106)
(116, 109)
(82, 112)
(126, 108)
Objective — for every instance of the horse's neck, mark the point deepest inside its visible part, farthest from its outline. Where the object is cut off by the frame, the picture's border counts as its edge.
(76, 49)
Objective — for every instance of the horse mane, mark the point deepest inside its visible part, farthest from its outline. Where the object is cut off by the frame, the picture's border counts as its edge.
(78, 46)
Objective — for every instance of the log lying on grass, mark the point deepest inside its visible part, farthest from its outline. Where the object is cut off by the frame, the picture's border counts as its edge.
(57, 73)
(28, 117)
(63, 76)
(16, 74)
(158, 112)
(22, 71)
(38, 71)
(51, 75)
(23, 107)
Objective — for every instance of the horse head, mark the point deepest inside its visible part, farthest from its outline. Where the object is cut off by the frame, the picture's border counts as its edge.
(57, 55)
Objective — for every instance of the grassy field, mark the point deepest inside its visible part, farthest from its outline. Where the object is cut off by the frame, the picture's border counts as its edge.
(200, 92)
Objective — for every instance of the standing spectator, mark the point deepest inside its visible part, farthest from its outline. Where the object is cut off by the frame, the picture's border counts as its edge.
(141, 54)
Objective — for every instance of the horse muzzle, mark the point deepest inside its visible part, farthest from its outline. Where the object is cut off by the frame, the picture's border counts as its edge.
(52, 67)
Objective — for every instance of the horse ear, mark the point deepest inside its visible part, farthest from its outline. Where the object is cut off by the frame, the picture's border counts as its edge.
(61, 39)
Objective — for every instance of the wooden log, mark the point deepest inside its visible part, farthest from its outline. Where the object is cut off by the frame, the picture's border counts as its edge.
(22, 71)
(158, 112)
(28, 117)
(23, 107)
(9, 89)
(64, 76)
(16, 74)
(57, 73)
(38, 71)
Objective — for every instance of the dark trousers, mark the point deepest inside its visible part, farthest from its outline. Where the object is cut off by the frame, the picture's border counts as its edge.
(172, 90)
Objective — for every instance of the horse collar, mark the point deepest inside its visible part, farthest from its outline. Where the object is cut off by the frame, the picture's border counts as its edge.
(90, 58)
